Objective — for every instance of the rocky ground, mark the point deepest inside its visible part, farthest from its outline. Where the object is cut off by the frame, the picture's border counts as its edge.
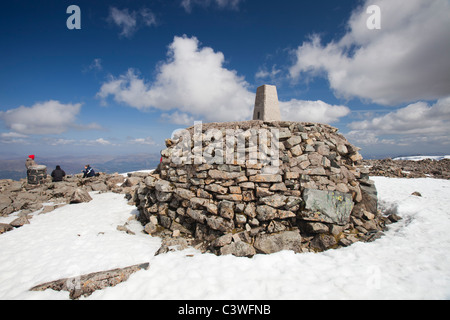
(23, 199)
(409, 169)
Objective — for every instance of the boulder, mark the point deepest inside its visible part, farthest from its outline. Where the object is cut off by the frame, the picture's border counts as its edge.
(323, 242)
(5, 202)
(275, 242)
(16, 223)
(80, 195)
(4, 227)
(369, 196)
(238, 249)
(164, 186)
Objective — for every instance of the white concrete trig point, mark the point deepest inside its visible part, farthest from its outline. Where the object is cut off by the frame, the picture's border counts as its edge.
(266, 104)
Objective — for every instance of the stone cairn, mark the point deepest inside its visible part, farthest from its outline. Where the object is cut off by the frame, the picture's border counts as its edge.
(252, 187)
(37, 174)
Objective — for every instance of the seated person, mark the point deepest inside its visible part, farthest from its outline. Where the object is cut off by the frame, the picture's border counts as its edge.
(58, 174)
(88, 171)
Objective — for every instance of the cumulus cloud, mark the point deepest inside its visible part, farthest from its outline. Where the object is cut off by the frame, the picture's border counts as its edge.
(405, 61)
(130, 22)
(50, 117)
(193, 84)
(100, 141)
(409, 126)
(193, 81)
(221, 4)
(312, 111)
(13, 137)
(416, 118)
(178, 118)
(142, 141)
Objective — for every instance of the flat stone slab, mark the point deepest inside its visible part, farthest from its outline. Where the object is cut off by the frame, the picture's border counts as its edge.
(86, 284)
(327, 206)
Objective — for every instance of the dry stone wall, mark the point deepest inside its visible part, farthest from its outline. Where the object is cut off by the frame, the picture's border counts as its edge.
(260, 187)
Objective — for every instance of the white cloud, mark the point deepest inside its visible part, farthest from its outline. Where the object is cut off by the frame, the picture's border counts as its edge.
(407, 60)
(92, 142)
(50, 117)
(192, 81)
(12, 135)
(312, 111)
(96, 65)
(416, 118)
(272, 75)
(221, 4)
(417, 122)
(178, 118)
(58, 141)
(13, 138)
(142, 141)
(101, 141)
(130, 22)
(148, 17)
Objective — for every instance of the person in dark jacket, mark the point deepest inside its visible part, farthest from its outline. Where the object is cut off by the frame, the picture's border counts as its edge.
(88, 171)
(58, 174)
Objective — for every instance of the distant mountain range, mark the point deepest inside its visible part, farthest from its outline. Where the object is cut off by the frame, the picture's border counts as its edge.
(15, 168)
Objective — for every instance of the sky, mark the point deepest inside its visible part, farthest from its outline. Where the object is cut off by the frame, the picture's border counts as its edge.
(119, 77)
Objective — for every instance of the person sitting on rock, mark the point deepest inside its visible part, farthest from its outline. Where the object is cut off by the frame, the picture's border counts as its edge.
(88, 171)
(58, 174)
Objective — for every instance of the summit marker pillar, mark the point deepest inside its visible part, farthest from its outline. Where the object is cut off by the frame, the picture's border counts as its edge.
(266, 104)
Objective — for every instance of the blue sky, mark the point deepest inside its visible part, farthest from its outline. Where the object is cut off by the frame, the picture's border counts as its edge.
(138, 70)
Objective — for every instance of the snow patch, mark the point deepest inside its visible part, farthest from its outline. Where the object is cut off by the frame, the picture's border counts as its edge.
(419, 158)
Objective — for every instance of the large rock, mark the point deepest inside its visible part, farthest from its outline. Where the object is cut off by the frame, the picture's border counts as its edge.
(238, 249)
(4, 227)
(16, 223)
(5, 202)
(327, 206)
(85, 285)
(80, 195)
(369, 196)
(275, 242)
(164, 186)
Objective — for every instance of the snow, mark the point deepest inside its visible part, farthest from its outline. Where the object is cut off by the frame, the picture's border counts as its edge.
(125, 174)
(410, 262)
(418, 158)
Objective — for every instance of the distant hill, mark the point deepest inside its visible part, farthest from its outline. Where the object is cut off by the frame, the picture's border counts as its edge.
(128, 163)
(15, 168)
